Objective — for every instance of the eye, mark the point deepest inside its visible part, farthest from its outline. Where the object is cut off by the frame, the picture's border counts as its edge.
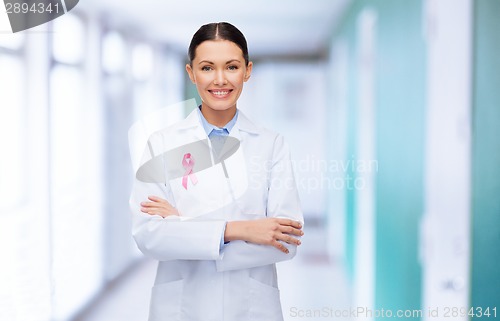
(232, 67)
(206, 68)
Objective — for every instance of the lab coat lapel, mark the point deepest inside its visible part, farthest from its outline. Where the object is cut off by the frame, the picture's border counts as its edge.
(236, 164)
(191, 127)
(244, 125)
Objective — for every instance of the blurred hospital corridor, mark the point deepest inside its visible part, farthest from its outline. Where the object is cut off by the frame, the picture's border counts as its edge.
(390, 109)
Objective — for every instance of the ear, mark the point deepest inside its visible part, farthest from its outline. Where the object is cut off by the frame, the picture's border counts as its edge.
(189, 70)
(248, 71)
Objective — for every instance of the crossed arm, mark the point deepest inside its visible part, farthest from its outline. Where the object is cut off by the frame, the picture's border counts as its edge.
(265, 231)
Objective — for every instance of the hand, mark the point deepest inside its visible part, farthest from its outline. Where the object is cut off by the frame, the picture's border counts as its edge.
(267, 231)
(158, 206)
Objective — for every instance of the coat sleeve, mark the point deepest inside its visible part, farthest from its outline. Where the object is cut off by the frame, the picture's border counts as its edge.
(173, 237)
(283, 202)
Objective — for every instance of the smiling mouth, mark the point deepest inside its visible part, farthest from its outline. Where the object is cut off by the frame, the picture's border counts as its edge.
(220, 93)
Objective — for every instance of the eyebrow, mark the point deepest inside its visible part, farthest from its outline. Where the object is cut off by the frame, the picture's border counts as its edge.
(210, 62)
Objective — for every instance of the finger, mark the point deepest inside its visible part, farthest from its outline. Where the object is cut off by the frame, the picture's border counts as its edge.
(289, 222)
(280, 247)
(152, 210)
(160, 210)
(291, 230)
(158, 199)
(148, 211)
(156, 209)
(154, 206)
(290, 240)
(149, 204)
(160, 206)
(156, 212)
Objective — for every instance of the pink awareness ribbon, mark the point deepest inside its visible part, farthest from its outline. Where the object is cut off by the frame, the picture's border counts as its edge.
(188, 164)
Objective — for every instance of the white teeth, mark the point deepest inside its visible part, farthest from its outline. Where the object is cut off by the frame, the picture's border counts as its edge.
(220, 93)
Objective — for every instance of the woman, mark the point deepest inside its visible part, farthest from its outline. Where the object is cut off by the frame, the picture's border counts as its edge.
(221, 223)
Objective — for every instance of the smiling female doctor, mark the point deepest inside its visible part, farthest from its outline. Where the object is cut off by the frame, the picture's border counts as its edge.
(218, 230)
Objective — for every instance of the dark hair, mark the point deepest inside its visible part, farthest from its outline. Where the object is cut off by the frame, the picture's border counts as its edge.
(218, 31)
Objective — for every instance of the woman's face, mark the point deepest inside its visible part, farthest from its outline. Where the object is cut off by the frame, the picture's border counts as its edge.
(219, 71)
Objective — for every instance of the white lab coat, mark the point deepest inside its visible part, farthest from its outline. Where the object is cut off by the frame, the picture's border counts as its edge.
(196, 279)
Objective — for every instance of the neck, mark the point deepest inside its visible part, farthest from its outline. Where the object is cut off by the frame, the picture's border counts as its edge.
(218, 118)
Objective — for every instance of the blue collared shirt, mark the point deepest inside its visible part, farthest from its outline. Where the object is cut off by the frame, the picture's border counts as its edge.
(212, 130)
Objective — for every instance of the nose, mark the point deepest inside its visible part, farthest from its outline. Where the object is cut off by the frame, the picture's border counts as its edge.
(220, 78)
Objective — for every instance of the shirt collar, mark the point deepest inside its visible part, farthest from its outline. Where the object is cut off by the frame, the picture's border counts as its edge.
(209, 128)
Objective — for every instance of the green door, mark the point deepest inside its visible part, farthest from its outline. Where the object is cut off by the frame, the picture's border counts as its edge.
(485, 278)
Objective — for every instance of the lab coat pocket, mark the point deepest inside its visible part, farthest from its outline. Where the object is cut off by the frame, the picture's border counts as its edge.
(166, 299)
(264, 302)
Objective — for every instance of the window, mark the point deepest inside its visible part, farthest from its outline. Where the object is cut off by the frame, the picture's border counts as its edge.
(12, 134)
(76, 183)
(11, 41)
(24, 291)
(69, 39)
(142, 62)
(114, 53)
